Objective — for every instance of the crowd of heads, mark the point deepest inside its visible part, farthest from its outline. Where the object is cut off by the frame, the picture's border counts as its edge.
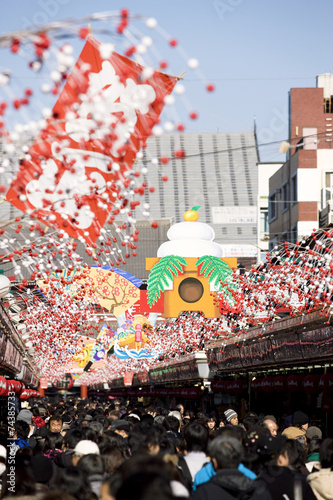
(115, 450)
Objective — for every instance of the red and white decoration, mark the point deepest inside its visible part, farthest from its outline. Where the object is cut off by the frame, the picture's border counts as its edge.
(80, 161)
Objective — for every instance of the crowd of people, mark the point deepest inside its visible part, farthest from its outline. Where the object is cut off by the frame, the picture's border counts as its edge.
(77, 449)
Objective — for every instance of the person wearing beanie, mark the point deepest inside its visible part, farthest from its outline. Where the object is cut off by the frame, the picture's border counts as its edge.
(231, 417)
(26, 416)
(300, 424)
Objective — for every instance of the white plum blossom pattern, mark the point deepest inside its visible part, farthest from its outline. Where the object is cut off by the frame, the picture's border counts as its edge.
(61, 194)
(106, 96)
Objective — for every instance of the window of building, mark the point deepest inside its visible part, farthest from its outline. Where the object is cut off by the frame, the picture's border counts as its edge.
(310, 140)
(328, 104)
(285, 197)
(273, 206)
(293, 194)
(239, 230)
(328, 191)
(264, 226)
(285, 236)
(293, 234)
(272, 244)
(329, 180)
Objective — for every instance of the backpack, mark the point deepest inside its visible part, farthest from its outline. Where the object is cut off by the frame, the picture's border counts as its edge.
(185, 474)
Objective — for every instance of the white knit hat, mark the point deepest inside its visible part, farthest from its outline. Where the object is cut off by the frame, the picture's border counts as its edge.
(230, 414)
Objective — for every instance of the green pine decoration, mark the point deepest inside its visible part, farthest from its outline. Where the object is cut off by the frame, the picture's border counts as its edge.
(216, 271)
(161, 275)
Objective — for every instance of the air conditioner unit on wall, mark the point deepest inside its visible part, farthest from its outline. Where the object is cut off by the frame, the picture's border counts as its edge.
(16, 318)
(14, 308)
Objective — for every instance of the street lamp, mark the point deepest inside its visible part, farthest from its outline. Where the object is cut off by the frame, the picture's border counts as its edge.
(4, 286)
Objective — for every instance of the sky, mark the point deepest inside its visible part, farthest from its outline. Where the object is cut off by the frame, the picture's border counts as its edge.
(253, 51)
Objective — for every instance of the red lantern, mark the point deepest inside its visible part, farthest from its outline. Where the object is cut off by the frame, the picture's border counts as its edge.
(295, 383)
(2, 386)
(267, 384)
(14, 386)
(24, 394)
(237, 386)
(311, 384)
(65, 383)
(5, 389)
(218, 385)
(256, 385)
(326, 382)
(128, 378)
(192, 393)
(227, 385)
(280, 383)
(43, 383)
(18, 386)
(10, 386)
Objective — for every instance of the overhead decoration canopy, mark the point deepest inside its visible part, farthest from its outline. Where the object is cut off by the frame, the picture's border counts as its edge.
(73, 189)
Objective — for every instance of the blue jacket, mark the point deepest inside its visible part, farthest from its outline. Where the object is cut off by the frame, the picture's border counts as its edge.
(208, 471)
(21, 443)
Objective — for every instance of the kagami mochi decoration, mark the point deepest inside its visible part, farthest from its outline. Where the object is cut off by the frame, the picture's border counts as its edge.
(189, 270)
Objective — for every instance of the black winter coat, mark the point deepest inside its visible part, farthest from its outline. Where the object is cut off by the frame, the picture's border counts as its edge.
(282, 482)
(229, 484)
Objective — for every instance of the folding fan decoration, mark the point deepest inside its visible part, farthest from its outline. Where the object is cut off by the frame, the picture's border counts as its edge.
(115, 290)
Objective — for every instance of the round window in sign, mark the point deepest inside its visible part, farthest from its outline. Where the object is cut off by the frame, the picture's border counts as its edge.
(191, 290)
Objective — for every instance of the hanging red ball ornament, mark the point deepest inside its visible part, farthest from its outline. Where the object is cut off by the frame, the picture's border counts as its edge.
(210, 87)
(179, 153)
(83, 33)
(164, 160)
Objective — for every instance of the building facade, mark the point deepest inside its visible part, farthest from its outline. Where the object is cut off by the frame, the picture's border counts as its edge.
(303, 187)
